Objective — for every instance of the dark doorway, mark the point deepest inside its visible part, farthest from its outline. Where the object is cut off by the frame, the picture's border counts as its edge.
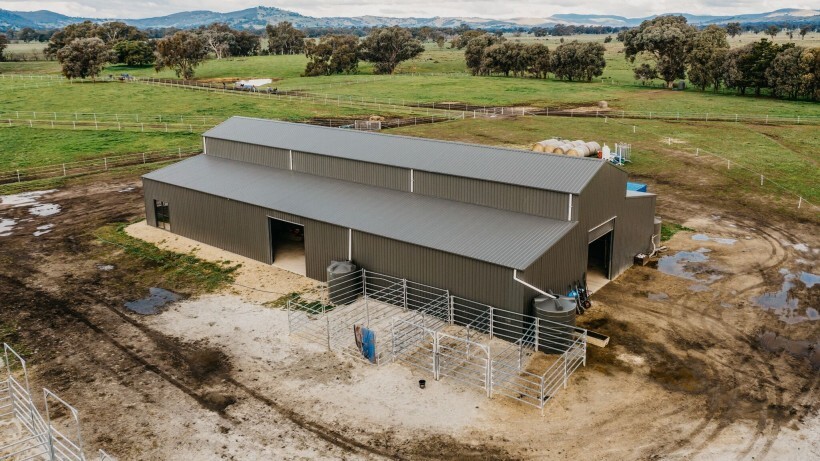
(599, 259)
(162, 213)
(287, 243)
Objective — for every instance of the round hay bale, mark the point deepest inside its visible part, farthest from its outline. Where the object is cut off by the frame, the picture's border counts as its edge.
(552, 141)
(549, 149)
(603, 105)
(578, 142)
(537, 147)
(578, 151)
(562, 149)
(593, 147)
(376, 118)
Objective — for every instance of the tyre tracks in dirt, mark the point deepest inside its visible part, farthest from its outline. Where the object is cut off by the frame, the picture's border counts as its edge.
(60, 307)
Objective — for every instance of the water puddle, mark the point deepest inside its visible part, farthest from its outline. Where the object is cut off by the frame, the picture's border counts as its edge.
(809, 279)
(706, 238)
(105, 267)
(127, 189)
(6, 226)
(698, 288)
(157, 298)
(44, 229)
(657, 296)
(805, 349)
(783, 303)
(45, 209)
(802, 247)
(690, 265)
(25, 198)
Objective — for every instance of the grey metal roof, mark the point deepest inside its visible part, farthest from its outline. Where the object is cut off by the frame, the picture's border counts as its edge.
(512, 166)
(505, 238)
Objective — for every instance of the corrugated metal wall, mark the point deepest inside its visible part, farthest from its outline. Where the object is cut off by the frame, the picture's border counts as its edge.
(241, 228)
(373, 174)
(323, 243)
(563, 264)
(465, 277)
(249, 153)
(603, 197)
(492, 194)
(633, 229)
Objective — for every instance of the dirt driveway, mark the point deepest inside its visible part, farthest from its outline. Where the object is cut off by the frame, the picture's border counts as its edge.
(696, 369)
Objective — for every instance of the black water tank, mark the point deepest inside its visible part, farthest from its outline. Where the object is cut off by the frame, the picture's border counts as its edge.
(344, 282)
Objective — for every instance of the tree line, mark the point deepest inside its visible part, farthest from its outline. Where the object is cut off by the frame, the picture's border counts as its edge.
(488, 54)
(676, 50)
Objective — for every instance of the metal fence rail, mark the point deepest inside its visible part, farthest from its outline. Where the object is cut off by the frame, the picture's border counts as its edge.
(42, 439)
(450, 337)
(93, 165)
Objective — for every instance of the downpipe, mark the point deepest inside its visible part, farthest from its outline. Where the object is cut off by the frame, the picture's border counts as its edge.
(532, 287)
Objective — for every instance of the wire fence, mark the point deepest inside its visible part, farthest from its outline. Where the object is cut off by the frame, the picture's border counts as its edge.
(347, 101)
(96, 165)
(718, 160)
(99, 125)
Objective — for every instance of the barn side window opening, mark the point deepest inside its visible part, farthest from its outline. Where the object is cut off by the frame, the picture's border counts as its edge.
(163, 214)
(287, 242)
(599, 260)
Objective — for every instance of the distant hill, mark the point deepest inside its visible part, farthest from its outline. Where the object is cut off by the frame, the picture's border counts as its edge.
(259, 17)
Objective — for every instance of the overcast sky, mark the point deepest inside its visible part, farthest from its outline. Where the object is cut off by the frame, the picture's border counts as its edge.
(498, 9)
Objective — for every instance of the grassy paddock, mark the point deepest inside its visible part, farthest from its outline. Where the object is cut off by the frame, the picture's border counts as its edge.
(27, 147)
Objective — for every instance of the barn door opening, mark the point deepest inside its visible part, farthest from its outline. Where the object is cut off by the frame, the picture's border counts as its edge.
(599, 261)
(287, 243)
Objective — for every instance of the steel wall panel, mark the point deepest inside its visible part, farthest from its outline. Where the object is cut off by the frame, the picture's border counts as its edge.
(372, 174)
(249, 153)
(510, 197)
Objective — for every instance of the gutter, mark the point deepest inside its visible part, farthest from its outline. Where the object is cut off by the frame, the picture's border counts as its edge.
(515, 277)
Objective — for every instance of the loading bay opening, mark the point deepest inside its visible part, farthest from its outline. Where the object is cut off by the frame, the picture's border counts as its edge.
(599, 262)
(287, 244)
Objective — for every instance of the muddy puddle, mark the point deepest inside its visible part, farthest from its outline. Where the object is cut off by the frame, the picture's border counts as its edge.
(691, 265)
(153, 304)
(7, 226)
(657, 296)
(32, 201)
(25, 198)
(706, 238)
(784, 303)
(44, 229)
(810, 350)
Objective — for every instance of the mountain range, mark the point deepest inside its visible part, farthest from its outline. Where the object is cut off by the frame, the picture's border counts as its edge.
(258, 17)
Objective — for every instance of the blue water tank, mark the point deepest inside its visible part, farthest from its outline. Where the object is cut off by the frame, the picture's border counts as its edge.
(635, 186)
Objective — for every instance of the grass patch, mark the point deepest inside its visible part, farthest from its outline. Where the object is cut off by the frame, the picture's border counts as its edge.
(299, 303)
(30, 147)
(179, 272)
(668, 230)
(9, 334)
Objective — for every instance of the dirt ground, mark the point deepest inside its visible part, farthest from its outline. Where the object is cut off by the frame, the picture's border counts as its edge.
(695, 368)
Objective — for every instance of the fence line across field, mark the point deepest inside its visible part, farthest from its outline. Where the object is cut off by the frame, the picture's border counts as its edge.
(700, 152)
(357, 102)
(92, 166)
(108, 117)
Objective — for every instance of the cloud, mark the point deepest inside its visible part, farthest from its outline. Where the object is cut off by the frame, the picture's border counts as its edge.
(419, 8)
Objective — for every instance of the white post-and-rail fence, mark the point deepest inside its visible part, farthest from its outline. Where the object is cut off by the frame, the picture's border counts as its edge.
(447, 336)
(43, 437)
(96, 165)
